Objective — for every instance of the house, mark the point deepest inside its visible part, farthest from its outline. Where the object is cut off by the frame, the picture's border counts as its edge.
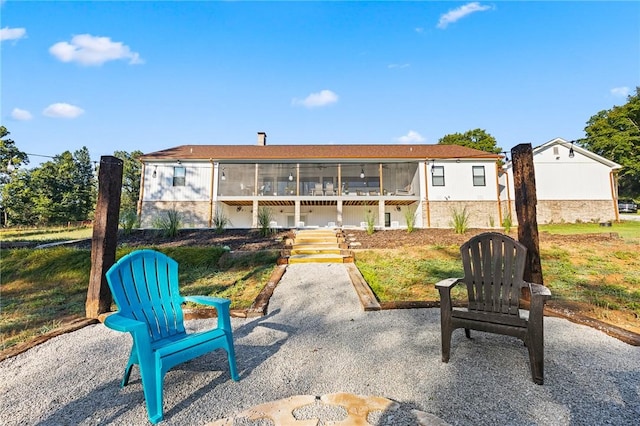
(572, 184)
(346, 185)
(321, 185)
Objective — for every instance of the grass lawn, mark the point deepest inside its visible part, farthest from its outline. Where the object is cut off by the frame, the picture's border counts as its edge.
(627, 229)
(41, 289)
(599, 279)
(46, 235)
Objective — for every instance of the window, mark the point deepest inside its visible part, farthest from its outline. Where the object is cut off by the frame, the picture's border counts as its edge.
(478, 176)
(437, 175)
(179, 175)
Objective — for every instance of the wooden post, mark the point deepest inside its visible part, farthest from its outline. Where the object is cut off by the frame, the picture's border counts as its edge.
(524, 183)
(105, 235)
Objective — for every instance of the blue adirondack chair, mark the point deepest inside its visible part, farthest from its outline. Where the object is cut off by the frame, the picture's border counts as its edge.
(144, 284)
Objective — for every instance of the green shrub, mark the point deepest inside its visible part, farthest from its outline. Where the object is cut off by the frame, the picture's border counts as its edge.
(128, 221)
(507, 223)
(410, 218)
(169, 223)
(460, 220)
(265, 216)
(370, 220)
(220, 221)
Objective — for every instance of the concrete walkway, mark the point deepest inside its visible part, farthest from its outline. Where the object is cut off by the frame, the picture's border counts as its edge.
(317, 340)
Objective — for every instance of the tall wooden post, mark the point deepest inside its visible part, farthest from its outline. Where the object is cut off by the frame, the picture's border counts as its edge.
(524, 183)
(105, 235)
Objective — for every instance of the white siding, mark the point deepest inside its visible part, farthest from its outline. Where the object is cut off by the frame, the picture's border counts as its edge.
(458, 182)
(559, 177)
(160, 188)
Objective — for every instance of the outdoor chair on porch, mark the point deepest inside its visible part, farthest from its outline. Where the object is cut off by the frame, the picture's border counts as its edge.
(493, 274)
(144, 285)
(407, 190)
(329, 189)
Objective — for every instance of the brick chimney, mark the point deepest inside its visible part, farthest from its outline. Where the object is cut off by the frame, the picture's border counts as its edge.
(262, 139)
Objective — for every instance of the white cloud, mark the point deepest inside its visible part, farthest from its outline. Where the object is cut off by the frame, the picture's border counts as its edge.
(90, 50)
(419, 30)
(7, 33)
(622, 92)
(459, 13)
(392, 66)
(62, 110)
(411, 137)
(322, 98)
(21, 114)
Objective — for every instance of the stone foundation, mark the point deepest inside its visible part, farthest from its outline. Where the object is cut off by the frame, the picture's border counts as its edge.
(193, 214)
(564, 211)
(482, 214)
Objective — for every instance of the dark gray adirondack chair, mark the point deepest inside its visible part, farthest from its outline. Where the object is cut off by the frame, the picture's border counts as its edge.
(493, 273)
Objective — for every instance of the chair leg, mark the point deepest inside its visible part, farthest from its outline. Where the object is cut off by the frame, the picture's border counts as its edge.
(133, 359)
(152, 378)
(127, 374)
(535, 339)
(231, 356)
(446, 343)
(536, 359)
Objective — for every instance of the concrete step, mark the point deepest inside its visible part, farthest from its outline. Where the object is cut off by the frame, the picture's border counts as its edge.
(319, 238)
(321, 244)
(316, 258)
(317, 250)
(317, 246)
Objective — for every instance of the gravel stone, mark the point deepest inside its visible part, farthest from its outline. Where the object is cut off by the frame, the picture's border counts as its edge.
(316, 340)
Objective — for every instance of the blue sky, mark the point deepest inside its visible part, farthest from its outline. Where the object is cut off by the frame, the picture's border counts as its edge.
(152, 75)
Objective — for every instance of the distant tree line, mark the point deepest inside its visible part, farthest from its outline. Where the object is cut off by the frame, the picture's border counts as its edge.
(60, 190)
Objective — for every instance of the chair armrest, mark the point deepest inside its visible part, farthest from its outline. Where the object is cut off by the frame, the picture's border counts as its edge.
(448, 283)
(138, 329)
(119, 322)
(538, 290)
(216, 302)
(221, 305)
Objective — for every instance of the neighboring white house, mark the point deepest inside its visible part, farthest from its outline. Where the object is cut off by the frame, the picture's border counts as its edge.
(343, 185)
(572, 184)
(321, 185)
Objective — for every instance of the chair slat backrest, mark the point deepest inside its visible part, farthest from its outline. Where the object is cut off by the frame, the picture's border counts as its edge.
(493, 272)
(144, 285)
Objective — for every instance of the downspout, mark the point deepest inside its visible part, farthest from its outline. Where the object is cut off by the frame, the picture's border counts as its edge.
(140, 197)
(508, 195)
(613, 182)
(498, 192)
(213, 168)
(426, 192)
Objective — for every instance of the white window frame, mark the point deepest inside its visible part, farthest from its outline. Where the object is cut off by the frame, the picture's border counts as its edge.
(478, 179)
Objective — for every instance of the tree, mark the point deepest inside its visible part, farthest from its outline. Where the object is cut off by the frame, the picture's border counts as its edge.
(615, 135)
(9, 154)
(476, 138)
(65, 188)
(131, 171)
(10, 158)
(18, 194)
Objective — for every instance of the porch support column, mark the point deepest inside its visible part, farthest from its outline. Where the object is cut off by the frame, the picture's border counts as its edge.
(214, 191)
(296, 214)
(254, 218)
(339, 213)
(381, 213)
